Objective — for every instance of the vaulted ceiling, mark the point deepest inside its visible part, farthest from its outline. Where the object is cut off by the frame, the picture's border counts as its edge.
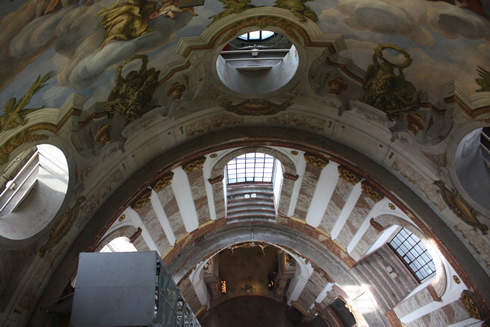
(375, 115)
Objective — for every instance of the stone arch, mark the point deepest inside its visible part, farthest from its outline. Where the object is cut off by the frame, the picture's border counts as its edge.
(439, 283)
(124, 231)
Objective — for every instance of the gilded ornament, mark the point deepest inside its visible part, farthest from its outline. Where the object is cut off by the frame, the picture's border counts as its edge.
(133, 94)
(142, 201)
(176, 91)
(232, 7)
(14, 112)
(348, 175)
(484, 81)
(262, 22)
(214, 155)
(370, 192)
(460, 207)
(121, 219)
(16, 141)
(103, 134)
(337, 85)
(470, 305)
(57, 233)
(294, 153)
(456, 279)
(416, 122)
(387, 90)
(256, 107)
(298, 8)
(194, 165)
(163, 182)
(391, 206)
(315, 161)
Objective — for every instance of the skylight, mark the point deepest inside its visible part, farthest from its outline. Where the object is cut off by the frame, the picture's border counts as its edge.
(250, 167)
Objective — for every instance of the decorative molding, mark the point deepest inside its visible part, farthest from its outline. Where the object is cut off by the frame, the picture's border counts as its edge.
(460, 207)
(376, 225)
(290, 176)
(256, 107)
(57, 233)
(470, 305)
(163, 182)
(337, 85)
(215, 180)
(103, 134)
(133, 238)
(348, 175)
(294, 152)
(456, 279)
(323, 273)
(213, 155)
(262, 22)
(16, 141)
(315, 161)
(194, 165)
(391, 206)
(371, 192)
(142, 201)
(433, 293)
(121, 219)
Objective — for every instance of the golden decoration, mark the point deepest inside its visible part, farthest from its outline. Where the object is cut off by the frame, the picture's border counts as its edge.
(294, 153)
(16, 141)
(337, 85)
(416, 122)
(176, 91)
(391, 206)
(163, 182)
(371, 192)
(121, 219)
(142, 201)
(456, 279)
(256, 107)
(315, 161)
(194, 165)
(103, 134)
(262, 22)
(470, 305)
(348, 175)
(460, 207)
(214, 155)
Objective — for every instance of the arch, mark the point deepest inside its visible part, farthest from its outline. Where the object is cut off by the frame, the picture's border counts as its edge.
(298, 139)
(440, 281)
(124, 231)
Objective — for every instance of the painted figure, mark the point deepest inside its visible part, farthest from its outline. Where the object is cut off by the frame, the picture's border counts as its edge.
(14, 112)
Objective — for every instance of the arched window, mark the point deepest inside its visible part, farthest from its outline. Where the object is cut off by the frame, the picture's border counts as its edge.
(414, 254)
(250, 167)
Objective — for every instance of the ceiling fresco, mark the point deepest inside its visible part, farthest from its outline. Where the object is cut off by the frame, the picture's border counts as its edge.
(446, 42)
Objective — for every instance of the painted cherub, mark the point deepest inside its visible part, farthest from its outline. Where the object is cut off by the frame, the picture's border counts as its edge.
(170, 10)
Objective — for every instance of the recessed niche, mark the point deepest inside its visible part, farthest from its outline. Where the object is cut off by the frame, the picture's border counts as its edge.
(260, 65)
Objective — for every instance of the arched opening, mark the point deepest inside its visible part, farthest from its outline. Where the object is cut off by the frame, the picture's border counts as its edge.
(257, 62)
(251, 187)
(34, 185)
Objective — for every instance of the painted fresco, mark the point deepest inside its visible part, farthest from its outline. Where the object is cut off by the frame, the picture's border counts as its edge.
(85, 41)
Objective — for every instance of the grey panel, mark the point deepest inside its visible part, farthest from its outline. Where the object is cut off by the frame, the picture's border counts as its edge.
(115, 289)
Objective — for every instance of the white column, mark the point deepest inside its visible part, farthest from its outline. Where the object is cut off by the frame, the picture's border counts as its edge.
(346, 210)
(185, 200)
(323, 192)
(162, 217)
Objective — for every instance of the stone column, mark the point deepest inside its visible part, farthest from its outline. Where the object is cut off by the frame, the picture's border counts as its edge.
(196, 181)
(314, 166)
